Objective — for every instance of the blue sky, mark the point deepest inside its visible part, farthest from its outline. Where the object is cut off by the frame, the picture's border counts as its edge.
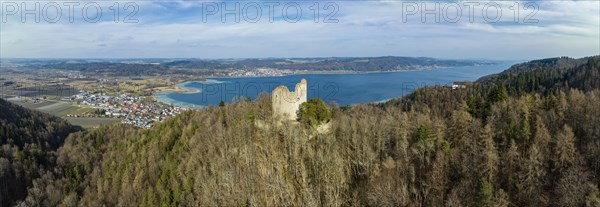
(179, 29)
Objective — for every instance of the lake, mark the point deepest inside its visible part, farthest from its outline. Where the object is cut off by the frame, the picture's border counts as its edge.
(345, 89)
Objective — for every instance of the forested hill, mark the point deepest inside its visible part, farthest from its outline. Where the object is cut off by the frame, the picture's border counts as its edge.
(29, 141)
(387, 63)
(549, 63)
(559, 63)
(548, 80)
(549, 75)
(494, 143)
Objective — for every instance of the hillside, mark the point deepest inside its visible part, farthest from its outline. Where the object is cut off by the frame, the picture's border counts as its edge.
(495, 143)
(559, 63)
(552, 75)
(29, 142)
(545, 81)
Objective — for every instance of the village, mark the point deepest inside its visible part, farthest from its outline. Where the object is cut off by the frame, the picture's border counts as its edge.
(134, 110)
(259, 72)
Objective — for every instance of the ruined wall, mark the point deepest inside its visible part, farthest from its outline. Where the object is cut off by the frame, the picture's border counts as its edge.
(286, 103)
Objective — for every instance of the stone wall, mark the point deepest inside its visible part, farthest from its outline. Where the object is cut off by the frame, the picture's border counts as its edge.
(286, 103)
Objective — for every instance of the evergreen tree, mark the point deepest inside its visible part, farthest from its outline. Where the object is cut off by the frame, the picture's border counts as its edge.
(314, 112)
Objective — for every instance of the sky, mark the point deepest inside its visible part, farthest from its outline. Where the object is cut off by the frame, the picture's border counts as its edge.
(501, 30)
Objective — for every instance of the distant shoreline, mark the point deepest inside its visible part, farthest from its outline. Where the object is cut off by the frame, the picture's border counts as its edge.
(178, 88)
(163, 95)
(332, 72)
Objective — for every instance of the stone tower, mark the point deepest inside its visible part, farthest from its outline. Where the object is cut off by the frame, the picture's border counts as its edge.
(285, 103)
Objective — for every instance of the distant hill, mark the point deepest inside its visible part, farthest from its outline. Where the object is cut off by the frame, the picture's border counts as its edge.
(549, 63)
(29, 141)
(108, 68)
(200, 67)
(547, 75)
(388, 63)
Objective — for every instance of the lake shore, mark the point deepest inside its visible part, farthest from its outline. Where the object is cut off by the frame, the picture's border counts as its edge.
(352, 85)
(178, 88)
(327, 72)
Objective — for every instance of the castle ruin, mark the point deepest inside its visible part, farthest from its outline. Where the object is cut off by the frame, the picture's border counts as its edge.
(285, 103)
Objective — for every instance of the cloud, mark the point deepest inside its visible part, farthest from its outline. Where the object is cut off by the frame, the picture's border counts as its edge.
(364, 28)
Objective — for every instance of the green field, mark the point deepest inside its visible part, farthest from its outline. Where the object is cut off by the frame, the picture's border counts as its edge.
(91, 122)
(61, 109)
(31, 104)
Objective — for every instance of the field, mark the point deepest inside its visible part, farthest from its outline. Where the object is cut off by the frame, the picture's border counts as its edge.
(61, 109)
(30, 104)
(91, 122)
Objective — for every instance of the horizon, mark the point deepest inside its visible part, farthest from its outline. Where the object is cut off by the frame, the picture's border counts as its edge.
(266, 58)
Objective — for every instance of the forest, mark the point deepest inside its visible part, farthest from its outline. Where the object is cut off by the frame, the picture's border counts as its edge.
(526, 137)
(29, 142)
